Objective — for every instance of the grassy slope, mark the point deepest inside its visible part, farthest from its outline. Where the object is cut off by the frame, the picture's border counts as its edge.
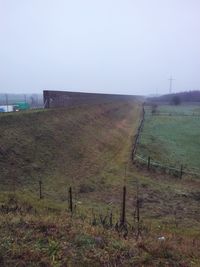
(40, 232)
(78, 146)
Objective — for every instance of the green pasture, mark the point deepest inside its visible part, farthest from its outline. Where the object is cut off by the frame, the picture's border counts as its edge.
(172, 139)
(184, 109)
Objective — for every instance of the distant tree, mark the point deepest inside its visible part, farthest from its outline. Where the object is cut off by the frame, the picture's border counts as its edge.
(154, 109)
(176, 100)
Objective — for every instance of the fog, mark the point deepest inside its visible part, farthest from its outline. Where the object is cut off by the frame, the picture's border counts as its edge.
(112, 46)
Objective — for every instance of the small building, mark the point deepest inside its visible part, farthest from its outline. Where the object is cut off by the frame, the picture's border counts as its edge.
(15, 107)
(6, 108)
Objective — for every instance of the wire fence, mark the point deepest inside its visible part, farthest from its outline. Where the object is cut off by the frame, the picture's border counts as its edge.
(150, 163)
(177, 114)
(137, 136)
(177, 171)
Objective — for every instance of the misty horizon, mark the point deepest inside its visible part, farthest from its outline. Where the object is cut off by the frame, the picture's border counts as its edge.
(114, 47)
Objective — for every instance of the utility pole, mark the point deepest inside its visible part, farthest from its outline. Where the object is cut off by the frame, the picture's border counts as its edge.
(156, 91)
(170, 84)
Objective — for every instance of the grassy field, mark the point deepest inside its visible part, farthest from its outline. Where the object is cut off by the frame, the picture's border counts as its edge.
(88, 148)
(172, 136)
(183, 109)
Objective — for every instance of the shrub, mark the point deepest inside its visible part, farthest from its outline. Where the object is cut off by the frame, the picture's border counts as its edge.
(176, 100)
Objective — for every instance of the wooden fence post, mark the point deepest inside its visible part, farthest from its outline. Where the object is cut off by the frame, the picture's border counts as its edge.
(111, 219)
(70, 200)
(138, 212)
(40, 186)
(181, 172)
(123, 216)
(149, 162)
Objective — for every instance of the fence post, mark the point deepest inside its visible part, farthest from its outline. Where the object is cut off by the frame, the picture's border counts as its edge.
(111, 219)
(40, 186)
(70, 200)
(149, 162)
(138, 212)
(181, 172)
(123, 207)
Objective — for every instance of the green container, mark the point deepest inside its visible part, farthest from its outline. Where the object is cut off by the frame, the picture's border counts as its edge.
(21, 106)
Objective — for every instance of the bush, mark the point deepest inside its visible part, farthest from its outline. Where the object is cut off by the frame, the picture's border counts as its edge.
(154, 108)
(86, 188)
(176, 100)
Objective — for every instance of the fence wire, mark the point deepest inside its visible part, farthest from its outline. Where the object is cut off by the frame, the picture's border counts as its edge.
(157, 164)
(154, 163)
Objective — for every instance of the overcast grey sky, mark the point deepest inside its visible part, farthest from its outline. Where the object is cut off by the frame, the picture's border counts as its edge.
(113, 46)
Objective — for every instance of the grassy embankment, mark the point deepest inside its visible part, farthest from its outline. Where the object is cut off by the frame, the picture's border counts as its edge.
(82, 147)
(88, 149)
